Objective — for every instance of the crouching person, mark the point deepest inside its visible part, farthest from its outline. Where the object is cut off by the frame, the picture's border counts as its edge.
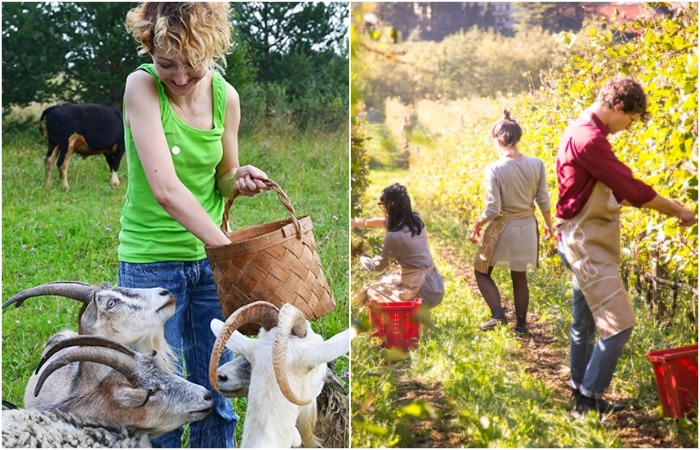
(405, 242)
(593, 184)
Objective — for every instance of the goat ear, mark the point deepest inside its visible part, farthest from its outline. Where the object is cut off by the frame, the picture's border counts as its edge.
(89, 315)
(129, 397)
(237, 342)
(331, 349)
(216, 325)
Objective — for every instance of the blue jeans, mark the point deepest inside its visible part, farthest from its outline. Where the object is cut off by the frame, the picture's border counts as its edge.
(189, 335)
(592, 364)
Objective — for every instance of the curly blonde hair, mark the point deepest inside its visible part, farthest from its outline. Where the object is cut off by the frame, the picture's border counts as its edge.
(200, 31)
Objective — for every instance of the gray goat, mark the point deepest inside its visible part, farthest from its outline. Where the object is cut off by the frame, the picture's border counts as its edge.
(331, 404)
(135, 401)
(133, 317)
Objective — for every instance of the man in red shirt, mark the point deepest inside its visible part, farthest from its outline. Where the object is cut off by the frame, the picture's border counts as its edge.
(593, 184)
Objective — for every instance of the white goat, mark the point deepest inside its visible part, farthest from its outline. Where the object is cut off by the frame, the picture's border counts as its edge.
(288, 363)
(133, 317)
(135, 401)
(332, 406)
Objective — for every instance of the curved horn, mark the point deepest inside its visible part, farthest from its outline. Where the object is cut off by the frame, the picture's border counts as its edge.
(291, 321)
(263, 313)
(84, 341)
(71, 289)
(111, 358)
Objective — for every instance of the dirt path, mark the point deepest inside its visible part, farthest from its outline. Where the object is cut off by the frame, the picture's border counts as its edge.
(541, 358)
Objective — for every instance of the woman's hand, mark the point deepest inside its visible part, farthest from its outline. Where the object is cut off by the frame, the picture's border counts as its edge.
(474, 236)
(357, 223)
(548, 232)
(249, 180)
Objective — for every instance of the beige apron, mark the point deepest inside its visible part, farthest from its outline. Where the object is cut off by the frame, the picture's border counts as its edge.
(395, 288)
(491, 235)
(592, 247)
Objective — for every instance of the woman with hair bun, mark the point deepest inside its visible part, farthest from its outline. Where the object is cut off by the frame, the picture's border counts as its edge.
(405, 242)
(513, 184)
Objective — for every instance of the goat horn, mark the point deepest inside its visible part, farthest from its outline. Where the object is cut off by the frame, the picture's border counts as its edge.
(84, 341)
(291, 321)
(263, 313)
(71, 289)
(118, 361)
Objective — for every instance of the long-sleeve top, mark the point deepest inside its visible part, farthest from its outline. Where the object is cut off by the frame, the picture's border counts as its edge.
(409, 251)
(513, 184)
(585, 156)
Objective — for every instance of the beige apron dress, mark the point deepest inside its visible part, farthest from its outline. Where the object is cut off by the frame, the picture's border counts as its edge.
(395, 287)
(592, 247)
(492, 234)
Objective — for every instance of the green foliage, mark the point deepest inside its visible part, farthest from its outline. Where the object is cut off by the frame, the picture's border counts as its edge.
(499, 402)
(662, 152)
(551, 16)
(359, 159)
(300, 48)
(68, 51)
(359, 168)
(49, 235)
(81, 52)
(468, 64)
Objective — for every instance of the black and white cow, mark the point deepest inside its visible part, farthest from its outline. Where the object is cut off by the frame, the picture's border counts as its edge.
(86, 129)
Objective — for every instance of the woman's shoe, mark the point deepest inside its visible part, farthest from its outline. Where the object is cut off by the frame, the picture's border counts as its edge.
(521, 328)
(492, 323)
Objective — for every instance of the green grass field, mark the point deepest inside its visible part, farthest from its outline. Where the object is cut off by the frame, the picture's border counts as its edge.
(49, 235)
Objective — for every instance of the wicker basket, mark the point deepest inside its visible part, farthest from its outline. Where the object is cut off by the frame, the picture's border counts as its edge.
(275, 262)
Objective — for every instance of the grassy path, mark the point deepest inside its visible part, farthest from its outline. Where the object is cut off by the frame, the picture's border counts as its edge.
(543, 357)
(463, 387)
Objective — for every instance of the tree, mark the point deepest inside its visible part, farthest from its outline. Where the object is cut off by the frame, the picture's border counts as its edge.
(31, 52)
(274, 29)
(66, 51)
(553, 17)
(299, 53)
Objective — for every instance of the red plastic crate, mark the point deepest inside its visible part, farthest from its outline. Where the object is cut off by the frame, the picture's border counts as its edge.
(676, 373)
(396, 322)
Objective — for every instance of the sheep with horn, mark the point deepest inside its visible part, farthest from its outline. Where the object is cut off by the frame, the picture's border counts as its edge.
(132, 317)
(135, 401)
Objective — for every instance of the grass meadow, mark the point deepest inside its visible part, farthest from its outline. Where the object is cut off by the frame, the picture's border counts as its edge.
(49, 235)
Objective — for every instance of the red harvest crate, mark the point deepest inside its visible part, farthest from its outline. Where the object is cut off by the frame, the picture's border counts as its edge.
(396, 322)
(676, 373)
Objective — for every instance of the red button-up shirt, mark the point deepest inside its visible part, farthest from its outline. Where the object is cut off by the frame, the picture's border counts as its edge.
(585, 156)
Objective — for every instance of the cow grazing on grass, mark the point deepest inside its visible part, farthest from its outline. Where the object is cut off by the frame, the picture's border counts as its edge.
(86, 129)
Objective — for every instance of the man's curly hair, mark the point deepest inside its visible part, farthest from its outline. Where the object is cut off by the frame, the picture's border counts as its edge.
(626, 91)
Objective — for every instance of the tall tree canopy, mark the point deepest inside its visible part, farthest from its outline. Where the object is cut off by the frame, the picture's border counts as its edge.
(288, 59)
(69, 51)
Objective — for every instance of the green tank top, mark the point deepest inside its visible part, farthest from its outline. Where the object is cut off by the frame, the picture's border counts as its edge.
(149, 233)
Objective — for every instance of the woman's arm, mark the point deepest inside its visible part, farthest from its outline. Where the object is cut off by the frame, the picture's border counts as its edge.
(542, 198)
(229, 175)
(493, 204)
(549, 228)
(381, 261)
(143, 115)
(375, 222)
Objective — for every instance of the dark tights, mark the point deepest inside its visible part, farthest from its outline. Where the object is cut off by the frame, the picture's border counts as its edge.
(489, 290)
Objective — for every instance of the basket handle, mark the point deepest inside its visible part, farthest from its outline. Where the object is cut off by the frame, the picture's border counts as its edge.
(283, 198)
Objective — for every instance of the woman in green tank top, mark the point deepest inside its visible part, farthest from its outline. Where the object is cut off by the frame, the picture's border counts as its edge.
(181, 135)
